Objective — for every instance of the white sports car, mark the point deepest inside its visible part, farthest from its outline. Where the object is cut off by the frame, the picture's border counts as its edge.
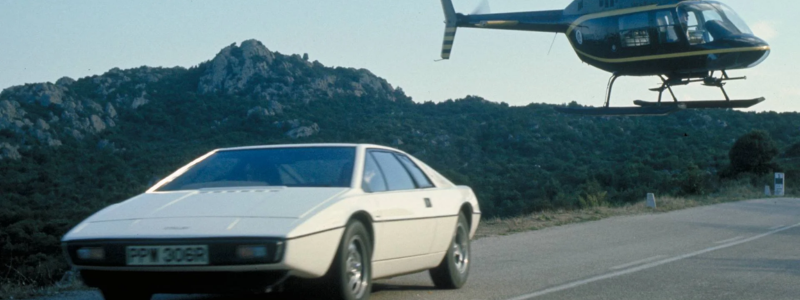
(246, 219)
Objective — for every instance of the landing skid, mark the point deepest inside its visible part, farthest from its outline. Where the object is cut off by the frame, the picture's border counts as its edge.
(703, 104)
(620, 111)
(659, 108)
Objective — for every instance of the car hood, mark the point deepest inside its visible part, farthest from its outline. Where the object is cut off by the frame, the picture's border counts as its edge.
(181, 228)
(246, 203)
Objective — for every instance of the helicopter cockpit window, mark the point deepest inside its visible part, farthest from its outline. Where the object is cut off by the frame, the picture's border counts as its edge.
(633, 30)
(666, 27)
(734, 18)
(695, 33)
(700, 19)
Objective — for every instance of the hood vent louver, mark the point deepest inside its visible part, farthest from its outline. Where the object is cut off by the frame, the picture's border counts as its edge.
(239, 191)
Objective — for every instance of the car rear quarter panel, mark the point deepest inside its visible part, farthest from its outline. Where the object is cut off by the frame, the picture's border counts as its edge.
(456, 198)
(470, 198)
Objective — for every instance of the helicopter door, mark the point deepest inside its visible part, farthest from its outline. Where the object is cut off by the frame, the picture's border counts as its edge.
(669, 32)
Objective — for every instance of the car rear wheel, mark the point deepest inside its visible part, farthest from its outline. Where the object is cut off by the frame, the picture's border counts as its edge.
(350, 276)
(119, 294)
(453, 271)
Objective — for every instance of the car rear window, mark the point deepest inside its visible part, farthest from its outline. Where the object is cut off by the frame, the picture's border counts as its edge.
(419, 176)
(291, 167)
(397, 177)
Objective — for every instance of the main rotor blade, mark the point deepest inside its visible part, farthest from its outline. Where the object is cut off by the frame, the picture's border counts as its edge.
(482, 8)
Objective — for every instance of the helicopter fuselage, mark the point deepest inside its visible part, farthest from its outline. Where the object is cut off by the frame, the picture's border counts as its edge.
(677, 39)
(682, 39)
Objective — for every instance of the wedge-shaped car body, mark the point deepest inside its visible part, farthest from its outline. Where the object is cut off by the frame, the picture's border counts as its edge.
(246, 219)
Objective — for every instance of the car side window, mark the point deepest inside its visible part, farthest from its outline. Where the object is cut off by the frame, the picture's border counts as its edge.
(397, 177)
(419, 176)
(373, 177)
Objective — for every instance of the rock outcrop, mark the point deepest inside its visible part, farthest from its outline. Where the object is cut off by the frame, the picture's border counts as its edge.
(43, 94)
(259, 112)
(233, 68)
(8, 151)
(303, 131)
(65, 81)
(46, 113)
(251, 70)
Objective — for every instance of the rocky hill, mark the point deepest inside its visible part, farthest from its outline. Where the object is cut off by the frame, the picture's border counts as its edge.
(71, 147)
(44, 114)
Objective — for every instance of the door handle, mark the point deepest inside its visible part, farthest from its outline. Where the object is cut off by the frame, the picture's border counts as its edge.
(428, 203)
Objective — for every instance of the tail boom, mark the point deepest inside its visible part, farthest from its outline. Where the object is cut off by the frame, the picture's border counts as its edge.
(541, 21)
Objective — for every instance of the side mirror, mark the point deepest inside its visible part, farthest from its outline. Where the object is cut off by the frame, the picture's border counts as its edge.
(365, 187)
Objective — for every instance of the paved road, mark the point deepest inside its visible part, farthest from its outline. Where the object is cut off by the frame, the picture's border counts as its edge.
(745, 250)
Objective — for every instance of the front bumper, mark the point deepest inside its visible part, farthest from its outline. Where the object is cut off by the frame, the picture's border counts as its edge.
(221, 251)
(307, 256)
(184, 282)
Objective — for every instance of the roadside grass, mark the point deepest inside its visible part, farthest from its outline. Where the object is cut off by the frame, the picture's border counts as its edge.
(18, 290)
(545, 219)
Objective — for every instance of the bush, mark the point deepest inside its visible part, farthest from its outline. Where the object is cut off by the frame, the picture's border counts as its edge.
(592, 195)
(753, 153)
(692, 181)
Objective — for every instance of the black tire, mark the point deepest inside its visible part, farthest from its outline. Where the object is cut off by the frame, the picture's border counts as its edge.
(350, 275)
(120, 294)
(453, 271)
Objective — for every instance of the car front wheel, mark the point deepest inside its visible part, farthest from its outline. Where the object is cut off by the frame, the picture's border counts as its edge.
(453, 271)
(350, 277)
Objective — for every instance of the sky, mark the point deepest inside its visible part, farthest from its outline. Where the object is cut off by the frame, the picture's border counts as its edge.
(42, 41)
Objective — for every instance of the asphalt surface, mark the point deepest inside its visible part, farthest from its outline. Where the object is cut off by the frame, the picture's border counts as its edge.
(743, 250)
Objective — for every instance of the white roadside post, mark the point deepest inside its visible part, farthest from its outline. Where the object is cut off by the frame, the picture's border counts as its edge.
(766, 190)
(779, 184)
(651, 200)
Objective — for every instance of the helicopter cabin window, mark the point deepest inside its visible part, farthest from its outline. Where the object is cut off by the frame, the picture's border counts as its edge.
(606, 3)
(633, 30)
(666, 27)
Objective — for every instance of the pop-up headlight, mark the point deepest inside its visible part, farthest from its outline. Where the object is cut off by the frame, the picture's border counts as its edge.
(91, 253)
(250, 252)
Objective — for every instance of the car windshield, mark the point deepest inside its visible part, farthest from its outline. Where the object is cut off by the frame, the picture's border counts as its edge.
(695, 18)
(291, 167)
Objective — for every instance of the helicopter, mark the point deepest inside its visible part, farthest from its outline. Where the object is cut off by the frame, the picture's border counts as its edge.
(679, 41)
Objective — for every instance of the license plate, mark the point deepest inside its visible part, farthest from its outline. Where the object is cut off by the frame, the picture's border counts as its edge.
(167, 255)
